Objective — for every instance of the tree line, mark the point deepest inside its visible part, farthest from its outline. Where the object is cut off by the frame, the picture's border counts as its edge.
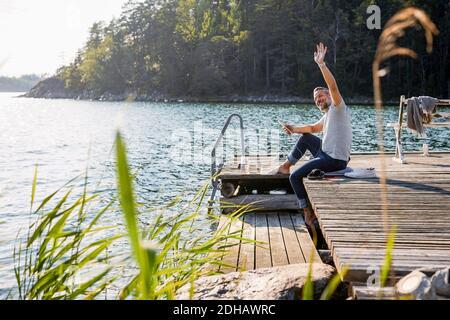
(210, 48)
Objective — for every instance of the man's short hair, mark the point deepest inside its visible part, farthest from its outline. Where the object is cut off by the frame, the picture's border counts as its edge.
(320, 89)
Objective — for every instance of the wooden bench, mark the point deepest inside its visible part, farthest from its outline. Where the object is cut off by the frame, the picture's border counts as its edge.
(399, 155)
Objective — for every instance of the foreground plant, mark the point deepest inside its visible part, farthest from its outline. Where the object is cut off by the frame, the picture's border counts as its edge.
(175, 250)
(62, 242)
(387, 48)
(66, 253)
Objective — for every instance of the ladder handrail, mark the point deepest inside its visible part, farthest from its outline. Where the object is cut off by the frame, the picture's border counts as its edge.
(214, 169)
(222, 133)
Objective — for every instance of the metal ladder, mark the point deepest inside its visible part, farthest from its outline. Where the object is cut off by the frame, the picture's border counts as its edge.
(216, 168)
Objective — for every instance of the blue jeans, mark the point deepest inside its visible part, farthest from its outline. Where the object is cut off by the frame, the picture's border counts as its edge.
(321, 161)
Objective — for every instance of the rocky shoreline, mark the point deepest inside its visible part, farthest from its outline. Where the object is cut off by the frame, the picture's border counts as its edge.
(53, 88)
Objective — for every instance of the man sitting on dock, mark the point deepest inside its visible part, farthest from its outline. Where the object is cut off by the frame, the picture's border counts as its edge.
(332, 153)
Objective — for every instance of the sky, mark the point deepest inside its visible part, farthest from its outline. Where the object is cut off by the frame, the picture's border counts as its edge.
(39, 36)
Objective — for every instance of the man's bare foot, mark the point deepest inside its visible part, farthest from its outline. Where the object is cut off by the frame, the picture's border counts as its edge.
(310, 217)
(313, 227)
(285, 168)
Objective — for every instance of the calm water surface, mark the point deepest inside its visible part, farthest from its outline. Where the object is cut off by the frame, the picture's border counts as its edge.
(168, 146)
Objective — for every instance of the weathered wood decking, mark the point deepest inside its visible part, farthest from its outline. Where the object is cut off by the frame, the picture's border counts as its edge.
(350, 212)
(418, 203)
(282, 238)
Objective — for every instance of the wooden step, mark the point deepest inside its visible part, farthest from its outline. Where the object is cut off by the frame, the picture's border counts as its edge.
(258, 203)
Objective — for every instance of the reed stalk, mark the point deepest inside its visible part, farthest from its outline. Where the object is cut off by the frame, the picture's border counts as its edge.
(387, 47)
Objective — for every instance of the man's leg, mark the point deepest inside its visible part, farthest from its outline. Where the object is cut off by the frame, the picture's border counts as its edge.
(306, 142)
(296, 179)
(324, 163)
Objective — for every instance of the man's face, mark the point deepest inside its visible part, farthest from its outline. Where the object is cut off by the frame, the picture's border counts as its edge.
(322, 99)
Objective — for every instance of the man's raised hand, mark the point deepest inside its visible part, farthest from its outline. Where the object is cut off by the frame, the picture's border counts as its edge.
(319, 55)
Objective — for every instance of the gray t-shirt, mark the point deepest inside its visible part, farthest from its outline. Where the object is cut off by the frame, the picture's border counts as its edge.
(337, 132)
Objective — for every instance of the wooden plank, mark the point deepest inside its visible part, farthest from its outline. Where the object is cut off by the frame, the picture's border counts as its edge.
(247, 251)
(382, 246)
(304, 239)
(282, 244)
(401, 229)
(377, 206)
(409, 260)
(376, 196)
(439, 255)
(293, 249)
(394, 180)
(262, 202)
(404, 174)
(393, 212)
(433, 213)
(397, 265)
(378, 226)
(360, 272)
(440, 189)
(223, 227)
(231, 258)
(399, 193)
(352, 219)
(400, 174)
(277, 247)
(372, 234)
(263, 257)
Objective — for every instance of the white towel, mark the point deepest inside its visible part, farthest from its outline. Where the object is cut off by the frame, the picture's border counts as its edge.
(339, 173)
(362, 173)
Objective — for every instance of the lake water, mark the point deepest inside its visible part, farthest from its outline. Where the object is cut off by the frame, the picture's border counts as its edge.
(169, 147)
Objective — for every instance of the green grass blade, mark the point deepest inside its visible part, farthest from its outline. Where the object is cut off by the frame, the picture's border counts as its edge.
(387, 264)
(33, 187)
(128, 204)
(308, 289)
(126, 291)
(47, 220)
(331, 287)
(82, 288)
(126, 196)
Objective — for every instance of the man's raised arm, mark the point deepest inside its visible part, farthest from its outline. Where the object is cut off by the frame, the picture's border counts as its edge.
(319, 57)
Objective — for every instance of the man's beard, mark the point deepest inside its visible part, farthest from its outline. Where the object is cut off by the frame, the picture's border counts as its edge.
(325, 106)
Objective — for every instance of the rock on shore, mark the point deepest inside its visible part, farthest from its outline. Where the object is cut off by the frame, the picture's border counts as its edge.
(50, 88)
(277, 283)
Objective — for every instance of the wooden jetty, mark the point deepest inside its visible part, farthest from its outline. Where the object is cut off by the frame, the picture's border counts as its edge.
(350, 214)
(281, 238)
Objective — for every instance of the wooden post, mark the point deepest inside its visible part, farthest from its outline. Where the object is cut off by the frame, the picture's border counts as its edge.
(398, 132)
